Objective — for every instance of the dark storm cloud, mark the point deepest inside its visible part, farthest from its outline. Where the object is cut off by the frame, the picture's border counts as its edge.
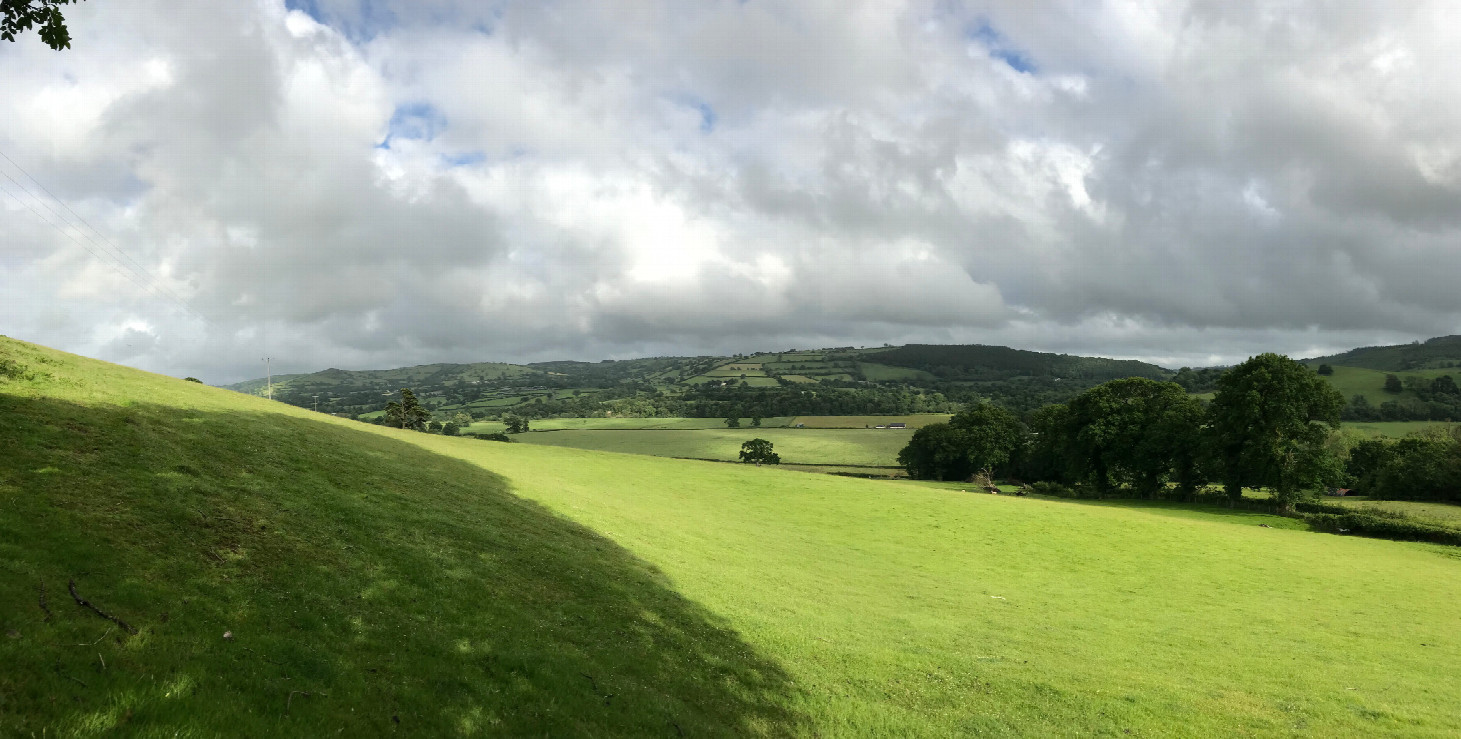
(372, 183)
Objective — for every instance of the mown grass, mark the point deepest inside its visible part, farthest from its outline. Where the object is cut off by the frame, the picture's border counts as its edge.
(868, 447)
(570, 592)
(906, 609)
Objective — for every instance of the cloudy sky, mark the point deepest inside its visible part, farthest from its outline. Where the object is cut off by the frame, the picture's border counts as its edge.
(376, 183)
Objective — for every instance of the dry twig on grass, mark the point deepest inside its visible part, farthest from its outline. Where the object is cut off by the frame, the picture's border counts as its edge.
(83, 602)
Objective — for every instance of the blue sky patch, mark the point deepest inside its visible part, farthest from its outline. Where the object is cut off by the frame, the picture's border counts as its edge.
(463, 159)
(420, 121)
(1001, 48)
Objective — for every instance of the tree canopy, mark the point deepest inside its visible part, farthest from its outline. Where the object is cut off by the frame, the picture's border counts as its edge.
(407, 414)
(980, 437)
(1269, 421)
(759, 451)
(19, 16)
(1136, 432)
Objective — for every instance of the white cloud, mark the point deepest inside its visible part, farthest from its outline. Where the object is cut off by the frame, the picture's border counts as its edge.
(385, 183)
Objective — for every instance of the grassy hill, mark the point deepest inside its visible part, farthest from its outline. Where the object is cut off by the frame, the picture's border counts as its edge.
(1440, 352)
(979, 362)
(377, 581)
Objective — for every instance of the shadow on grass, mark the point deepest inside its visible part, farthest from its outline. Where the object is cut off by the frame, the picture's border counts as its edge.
(294, 576)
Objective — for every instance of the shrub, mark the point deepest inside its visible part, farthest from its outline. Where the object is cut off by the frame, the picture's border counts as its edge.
(494, 436)
(1053, 489)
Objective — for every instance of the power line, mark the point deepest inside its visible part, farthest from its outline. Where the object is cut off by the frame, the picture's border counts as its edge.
(139, 275)
(106, 259)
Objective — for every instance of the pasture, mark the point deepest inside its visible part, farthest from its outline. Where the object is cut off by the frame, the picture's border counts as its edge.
(855, 447)
(294, 573)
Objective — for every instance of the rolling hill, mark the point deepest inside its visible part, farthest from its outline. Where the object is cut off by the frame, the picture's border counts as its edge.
(286, 572)
(1441, 352)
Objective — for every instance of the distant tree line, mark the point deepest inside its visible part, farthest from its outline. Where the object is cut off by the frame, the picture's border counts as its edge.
(1267, 426)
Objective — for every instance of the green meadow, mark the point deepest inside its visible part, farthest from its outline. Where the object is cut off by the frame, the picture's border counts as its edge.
(293, 573)
(856, 447)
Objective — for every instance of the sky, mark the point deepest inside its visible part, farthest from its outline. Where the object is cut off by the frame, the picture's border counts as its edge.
(194, 186)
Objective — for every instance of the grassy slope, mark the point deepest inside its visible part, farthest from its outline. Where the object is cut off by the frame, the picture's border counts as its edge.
(796, 446)
(788, 602)
(369, 585)
(879, 599)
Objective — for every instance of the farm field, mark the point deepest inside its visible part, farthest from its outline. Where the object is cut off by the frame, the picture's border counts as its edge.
(1351, 381)
(914, 421)
(559, 424)
(372, 581)
(1393, 429)
(859, 447)
(1442, 514)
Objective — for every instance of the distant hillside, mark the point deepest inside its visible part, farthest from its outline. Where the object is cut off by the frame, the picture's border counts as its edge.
(844, 380)
(1439, 353)
(980, 362)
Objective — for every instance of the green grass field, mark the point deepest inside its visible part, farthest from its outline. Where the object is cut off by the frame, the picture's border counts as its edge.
(796, 446)
(914, 421)
(1440, 514)
(559, 424)
(1393, 429)
(377, 581)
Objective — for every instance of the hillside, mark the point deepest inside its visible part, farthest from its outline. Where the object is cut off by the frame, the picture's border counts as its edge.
(844, 381)
(289, 574)
(978, 362)
(1441, 352)
(375, 581)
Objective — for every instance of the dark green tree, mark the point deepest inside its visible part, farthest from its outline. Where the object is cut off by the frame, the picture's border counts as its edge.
(407, 414)
(1393, 384)
(18, 16)
(1326, 370)
(733, 422)
(1136, 432)
(759, 451)
(450, 428)
(755, 422)
(515, 424)
(977, 438)
(1444, 385)
(192, 379)
(1268, 424)
(994, 436)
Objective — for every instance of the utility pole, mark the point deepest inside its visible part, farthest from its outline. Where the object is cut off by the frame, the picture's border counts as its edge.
(317, 403)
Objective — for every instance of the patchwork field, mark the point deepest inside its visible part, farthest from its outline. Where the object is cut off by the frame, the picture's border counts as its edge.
(292, 573)
(1394, 429)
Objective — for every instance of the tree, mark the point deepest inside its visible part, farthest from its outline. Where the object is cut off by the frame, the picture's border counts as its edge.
(462, 419)
(980, 437)
(450, 428)
(1135, 432)
(994, 435)
(407, 414)
(18, 16)
(756, 422)
(1268, 424)
(194, 379)
(759, 451)
(1326, 370)
(1393, 384)
(1444, 385)
(733, 422)
(515, 424)
(434, 427)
